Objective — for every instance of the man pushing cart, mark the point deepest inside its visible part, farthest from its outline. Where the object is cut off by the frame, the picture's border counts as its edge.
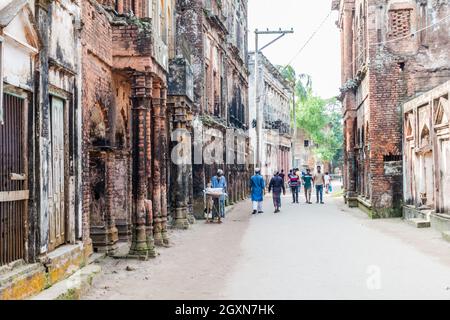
(215, 198)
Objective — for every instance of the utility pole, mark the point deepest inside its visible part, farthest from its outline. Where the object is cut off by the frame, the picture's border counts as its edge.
(259, 120)
(294, 114)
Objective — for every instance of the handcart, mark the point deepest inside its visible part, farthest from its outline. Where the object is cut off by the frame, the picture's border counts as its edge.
(212, 194)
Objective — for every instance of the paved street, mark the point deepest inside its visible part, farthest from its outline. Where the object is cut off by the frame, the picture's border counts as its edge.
(306, 252)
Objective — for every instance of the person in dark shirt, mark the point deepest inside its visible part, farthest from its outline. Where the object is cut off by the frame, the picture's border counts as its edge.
(307, 185)
(276, 186)
(294, 184)
(219, 181)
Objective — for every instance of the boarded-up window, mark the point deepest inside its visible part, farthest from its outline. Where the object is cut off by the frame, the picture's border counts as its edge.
(399, 23)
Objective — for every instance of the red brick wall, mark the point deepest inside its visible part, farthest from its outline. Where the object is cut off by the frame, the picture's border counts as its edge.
(396, 72)
(96, 62)
(387, 90)
(112, 93)
(129, 41)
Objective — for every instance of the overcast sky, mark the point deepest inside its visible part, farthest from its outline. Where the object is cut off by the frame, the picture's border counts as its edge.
(320, 59)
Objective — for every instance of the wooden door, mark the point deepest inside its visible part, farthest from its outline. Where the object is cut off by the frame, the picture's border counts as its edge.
(412, 174)
(429, 178)
(13, 179)
(56, 191)
(445, 177)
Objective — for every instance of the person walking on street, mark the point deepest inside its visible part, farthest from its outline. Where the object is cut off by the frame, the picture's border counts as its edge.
(319, 182)
(327, 178)
(257, 185)
(277, 186)
(300, 175)
(294, 184)
(307, 185)
(283, 178)
(219, 181)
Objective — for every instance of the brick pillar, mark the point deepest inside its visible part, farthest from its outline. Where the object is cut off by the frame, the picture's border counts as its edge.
(350, 158)
(189, 177)
(156, 164)
(347, 43)
(181, 172)
(141, 245)
(164, 163)
(86, 187)
(346, 162)
(148, 169)
(111, 232)
(198, 184)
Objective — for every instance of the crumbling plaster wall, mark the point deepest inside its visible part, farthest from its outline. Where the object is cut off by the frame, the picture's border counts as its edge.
(399, 70)
(393, 68)
(426, 123)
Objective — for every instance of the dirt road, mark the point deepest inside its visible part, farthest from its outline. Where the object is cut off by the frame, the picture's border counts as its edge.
(306, 252)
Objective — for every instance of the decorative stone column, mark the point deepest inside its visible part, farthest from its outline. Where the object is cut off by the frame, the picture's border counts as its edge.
(163, 165)
(148, 169)
(189, 189)
(198, 175)
(156, 164)
(181, 172)
(350, 171)
(141, 244)
(103, 230)
(112, 234)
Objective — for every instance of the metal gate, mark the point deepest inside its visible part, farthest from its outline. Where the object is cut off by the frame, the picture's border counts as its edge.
(56, 185)
(13, 180)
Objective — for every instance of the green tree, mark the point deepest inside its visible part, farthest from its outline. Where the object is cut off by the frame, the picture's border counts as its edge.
(302, 82)
(322, 121)
(320, 118)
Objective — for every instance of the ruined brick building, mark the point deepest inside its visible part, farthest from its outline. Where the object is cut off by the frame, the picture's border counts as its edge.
(392, 51)
(217, 33)
(276, 104)
(125, 116)
(93, 95)
(304, 156)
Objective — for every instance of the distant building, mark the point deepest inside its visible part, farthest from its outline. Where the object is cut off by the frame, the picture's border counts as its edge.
(275, 101)
(216, 31)
(304, 157)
